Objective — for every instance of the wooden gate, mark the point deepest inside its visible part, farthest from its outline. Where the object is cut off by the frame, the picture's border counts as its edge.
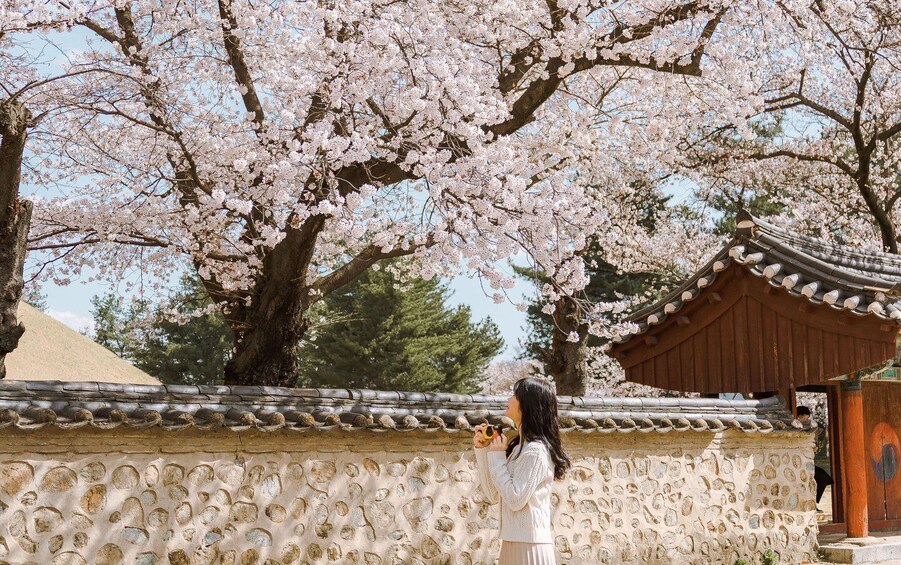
(882, 425)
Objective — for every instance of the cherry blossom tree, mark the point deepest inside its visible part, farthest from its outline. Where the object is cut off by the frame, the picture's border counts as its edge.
(817, 132)
(281, 149)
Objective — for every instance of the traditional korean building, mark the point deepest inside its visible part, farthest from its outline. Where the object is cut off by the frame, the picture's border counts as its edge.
(775, 312)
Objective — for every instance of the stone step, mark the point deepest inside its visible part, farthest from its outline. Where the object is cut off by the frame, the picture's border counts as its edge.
(875, 549)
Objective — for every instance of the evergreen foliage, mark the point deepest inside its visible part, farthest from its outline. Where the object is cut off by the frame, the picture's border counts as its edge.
(380, 335)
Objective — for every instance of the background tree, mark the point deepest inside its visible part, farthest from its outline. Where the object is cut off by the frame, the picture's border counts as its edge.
(383, 334)
(117, 325)
(501, 375)
(560, 335)
(33, 296)
(829, 87)
(173, 344)
(281, 149)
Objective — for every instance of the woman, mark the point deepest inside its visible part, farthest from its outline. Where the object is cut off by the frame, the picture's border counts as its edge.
(520, 474)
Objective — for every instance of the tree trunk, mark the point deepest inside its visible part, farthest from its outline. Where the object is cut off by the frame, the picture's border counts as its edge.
(15, 219)
(566, 360)
(267, 352)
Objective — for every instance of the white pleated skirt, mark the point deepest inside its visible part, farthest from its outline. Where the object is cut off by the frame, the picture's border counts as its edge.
(522, 553)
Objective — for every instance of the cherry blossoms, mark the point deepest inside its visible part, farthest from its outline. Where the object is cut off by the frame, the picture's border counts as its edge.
(814, 127)
(282, 148)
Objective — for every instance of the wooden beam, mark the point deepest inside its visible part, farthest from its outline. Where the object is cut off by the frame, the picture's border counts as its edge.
(854, 458)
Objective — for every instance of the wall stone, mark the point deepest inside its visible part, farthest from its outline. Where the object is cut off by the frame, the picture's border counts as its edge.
(72, 497)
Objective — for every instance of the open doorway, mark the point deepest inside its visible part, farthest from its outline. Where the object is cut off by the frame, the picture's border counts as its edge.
(816, 399)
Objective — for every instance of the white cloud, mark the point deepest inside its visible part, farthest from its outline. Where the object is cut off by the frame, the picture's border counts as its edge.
(79, 323)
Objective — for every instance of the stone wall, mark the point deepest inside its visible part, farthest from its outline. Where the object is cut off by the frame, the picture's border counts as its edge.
(151, 496)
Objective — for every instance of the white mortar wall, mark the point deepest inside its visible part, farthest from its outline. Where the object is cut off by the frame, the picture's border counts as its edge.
(88, 496)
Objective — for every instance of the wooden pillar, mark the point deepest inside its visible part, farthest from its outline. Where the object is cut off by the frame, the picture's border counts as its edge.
(854, 458)
(836, 449)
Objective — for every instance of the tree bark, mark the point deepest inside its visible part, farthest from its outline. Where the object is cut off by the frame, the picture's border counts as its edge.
(267, 354)
(15, 219)
(566, 360)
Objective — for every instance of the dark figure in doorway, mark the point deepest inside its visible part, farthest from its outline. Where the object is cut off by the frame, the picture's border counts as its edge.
(820, 476)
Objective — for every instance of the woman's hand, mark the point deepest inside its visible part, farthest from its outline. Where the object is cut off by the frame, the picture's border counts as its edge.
(499, 443)
(478, 440)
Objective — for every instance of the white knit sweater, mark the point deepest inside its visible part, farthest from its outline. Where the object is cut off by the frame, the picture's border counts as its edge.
(523, 486)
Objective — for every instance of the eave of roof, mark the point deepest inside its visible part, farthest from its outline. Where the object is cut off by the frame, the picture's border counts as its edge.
(863, 283)
(32, 405)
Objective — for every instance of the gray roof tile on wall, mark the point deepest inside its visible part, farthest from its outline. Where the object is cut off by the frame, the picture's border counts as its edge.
(107, 406)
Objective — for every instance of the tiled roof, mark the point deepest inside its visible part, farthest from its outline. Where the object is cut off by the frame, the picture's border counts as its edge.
(864, 283)
(31, 405)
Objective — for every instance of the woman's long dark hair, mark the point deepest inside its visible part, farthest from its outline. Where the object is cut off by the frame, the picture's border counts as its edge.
(538, 404)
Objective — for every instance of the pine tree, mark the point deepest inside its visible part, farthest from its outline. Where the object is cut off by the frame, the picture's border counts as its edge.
(377, 334)
(187, 352)
(192, 352)
(33, 296)
(116, 326)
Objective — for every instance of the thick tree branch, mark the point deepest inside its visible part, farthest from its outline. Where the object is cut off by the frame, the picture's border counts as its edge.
(239, 66)
(539, 90)
(794, 100)
(356, 266)
(835, 161)
(888, 133)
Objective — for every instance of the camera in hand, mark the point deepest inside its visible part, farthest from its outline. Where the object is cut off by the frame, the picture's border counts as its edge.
(491, 432)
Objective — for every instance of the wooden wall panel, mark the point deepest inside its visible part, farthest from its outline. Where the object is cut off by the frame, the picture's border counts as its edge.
(754, 333)
(830, 353)
(745, 336)
(699, 379)
(661, 377)
(882, 429)
(742, 345)
(783, 346)
(686, 355)
(673, 364)
(815, 350)
(799, 353)
(714, 359)
(768, 346)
